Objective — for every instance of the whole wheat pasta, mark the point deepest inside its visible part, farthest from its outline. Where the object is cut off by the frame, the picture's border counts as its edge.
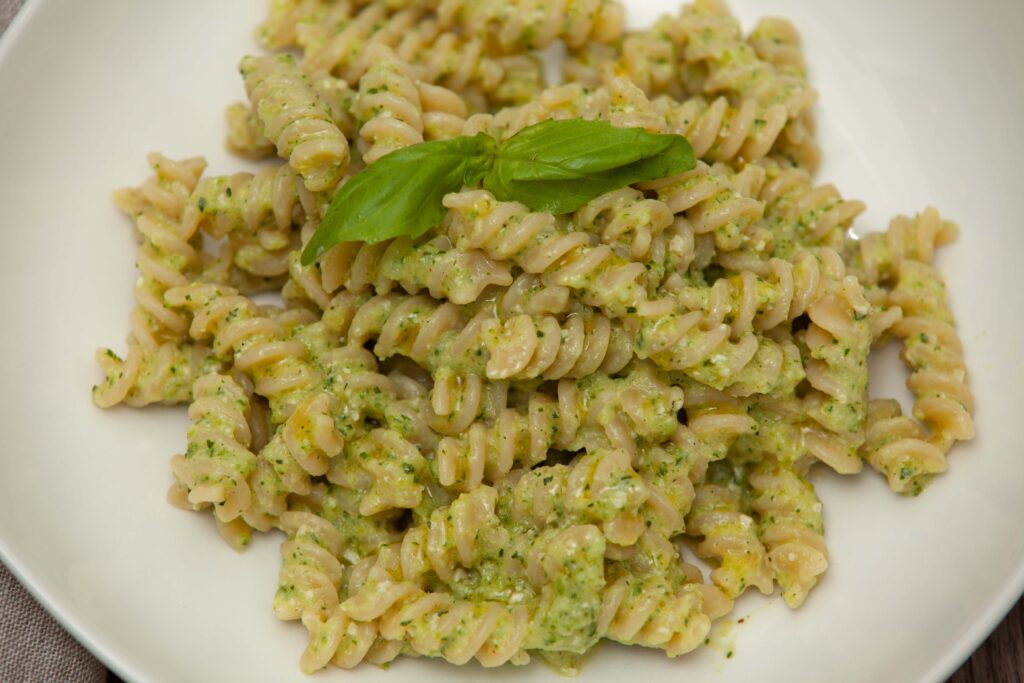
(532, 24)
(729, 536)
(586, 413)
(296, 120)
(496, 438)
(789, 514)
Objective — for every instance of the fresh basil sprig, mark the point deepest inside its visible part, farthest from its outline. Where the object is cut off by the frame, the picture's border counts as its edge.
(555, 166)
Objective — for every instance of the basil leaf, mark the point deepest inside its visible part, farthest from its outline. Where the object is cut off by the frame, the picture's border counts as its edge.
(564, 185)
(400, 194)
(555, 166)
(575, 147)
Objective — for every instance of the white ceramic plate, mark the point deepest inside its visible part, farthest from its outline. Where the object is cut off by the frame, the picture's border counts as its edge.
(921, 103)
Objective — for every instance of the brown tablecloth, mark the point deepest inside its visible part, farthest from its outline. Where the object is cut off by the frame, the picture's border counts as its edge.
(33, 647)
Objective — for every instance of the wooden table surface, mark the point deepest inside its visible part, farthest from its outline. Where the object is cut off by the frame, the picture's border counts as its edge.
(999, 660)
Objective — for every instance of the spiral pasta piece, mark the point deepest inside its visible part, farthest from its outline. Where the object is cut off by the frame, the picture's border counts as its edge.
(529, 295)
(617, 100)
(166, 256)
(468, 537)
(585, 64)
(441, 335)
(530, 347)
(232, 265)
(540, 244)
(529, 24)
(780, 417)
(585, 413)
(388, 106)
(311, 574)
(433, 623)
(145, 376)
(896, 446)
(563, 571)
(344, 47)
(256, 216)
(385, 467)
(625, 219)
(364, 394)
(678, 255)
(934, 354)
(668, 470)
(458, 399)
(703, 350)
(797, 212)
(729, 536)
(914, 238)
(651, 60)
(308, 589)
(636, 407)
(435, 265)
(286, 17)
(431, 53)
(708, 198)
(166, 191)
(362, 536)
(339, 97)
(568, 565)
(717, 420)
(335, 638)
(837, 342)
(296, 120)
(356, 392)
(488, 452)
(304, 445)
(416, 327)
(748, 301)
(883, 315)
(245, 129)
(444, 112)
(327, 533)
(387, 92)
(651, 612)
(216, 466)
(777, 42)
(245, 132)
(791, 528)
(257, 344)
(598, 488)
(458, 535)
(437, 625)
(264, 204)
(462, 62)
(710, 39)
(797, 146)
(721, 132)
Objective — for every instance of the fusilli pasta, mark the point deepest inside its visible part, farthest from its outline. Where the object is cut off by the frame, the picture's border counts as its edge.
(497, 438)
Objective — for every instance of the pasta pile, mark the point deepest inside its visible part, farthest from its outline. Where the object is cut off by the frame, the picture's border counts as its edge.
(496, 440)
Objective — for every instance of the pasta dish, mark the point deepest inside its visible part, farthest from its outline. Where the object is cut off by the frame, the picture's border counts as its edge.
(509, 435)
